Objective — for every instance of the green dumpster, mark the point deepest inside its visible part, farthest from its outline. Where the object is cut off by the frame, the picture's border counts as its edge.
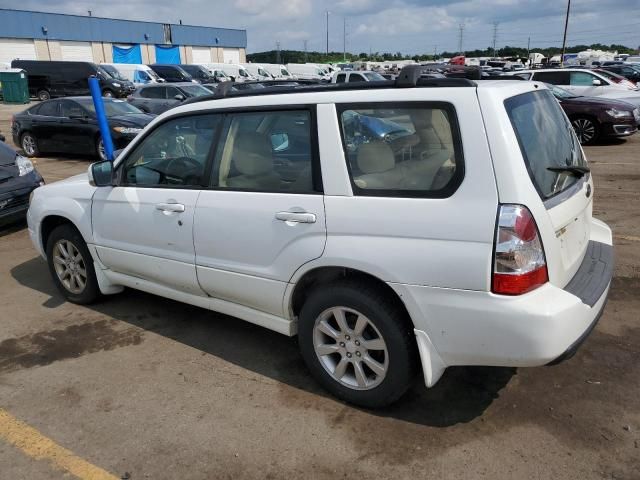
(14, 86)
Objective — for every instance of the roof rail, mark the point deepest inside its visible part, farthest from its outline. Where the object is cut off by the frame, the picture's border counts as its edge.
(410, 77)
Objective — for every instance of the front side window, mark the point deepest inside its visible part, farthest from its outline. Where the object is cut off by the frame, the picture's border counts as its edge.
(546, 139)
(582, 79)
(266, 152)
(356, 77)
(72, 109)
(172, 155)
(341, 77)
(405, 150)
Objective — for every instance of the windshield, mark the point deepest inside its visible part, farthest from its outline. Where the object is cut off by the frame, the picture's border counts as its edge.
(285, 72)
(102, 73)
(194, 90)
(112, 108)
(152, 74)
(560, 93)
(614, 77)
(546, 140)
(243, 72)
(219, 74)
(113, 72)
(372, 76)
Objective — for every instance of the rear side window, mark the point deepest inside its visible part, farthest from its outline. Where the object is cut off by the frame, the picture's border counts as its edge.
(546, 140)
(403, 150)
(582, 79)
(340, 78)
(555, 78)
(356, 77)
(153, 92)
(49, 109)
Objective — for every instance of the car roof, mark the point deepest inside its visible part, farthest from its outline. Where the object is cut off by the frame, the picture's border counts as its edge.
(168, 84)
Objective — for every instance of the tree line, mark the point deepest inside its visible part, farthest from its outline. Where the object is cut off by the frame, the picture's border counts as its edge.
(298, 56)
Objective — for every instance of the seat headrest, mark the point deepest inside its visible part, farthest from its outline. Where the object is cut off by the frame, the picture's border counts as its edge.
(375, 157)
(252, 154)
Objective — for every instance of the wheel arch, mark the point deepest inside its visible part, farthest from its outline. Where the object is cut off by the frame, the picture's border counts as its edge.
(49, 224)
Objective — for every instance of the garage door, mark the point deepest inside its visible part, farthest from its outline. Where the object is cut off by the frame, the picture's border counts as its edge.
(12, 49)
(76, 51)
(201, 55)
(231, 55)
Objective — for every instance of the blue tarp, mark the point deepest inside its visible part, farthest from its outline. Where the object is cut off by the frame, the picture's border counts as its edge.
(127, 54)
(167, 54)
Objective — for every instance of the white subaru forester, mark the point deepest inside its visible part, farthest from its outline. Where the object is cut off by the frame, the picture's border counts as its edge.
(393, 226)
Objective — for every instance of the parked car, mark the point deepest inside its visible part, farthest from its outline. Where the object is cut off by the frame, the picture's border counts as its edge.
(217, 72)
(595, 117)
(307, 71)
(474, 245)
(137, 73)
(200, 74)
(258, 71)
(160, 98)
(618, 79)
(69, 125)
(172, 73)
(277, 71)
(50, 79)
(356, 76)
(630, 72)
(18, 178)
(579, 81)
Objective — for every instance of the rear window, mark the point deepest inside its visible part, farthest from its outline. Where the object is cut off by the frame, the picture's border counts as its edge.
(546, 140)
(402, 149)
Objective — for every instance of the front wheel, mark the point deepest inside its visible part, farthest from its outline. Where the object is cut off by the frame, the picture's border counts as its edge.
(71, 265)
(587, 130)
(107, 93)
(358, 343)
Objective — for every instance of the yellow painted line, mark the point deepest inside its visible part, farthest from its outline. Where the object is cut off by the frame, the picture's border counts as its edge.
(39, 447)
(627, 237)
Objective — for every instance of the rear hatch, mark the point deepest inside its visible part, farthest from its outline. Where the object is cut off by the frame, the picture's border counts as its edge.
(557, 168)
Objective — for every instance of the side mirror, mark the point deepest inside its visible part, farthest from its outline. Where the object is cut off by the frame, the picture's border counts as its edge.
(179, 97)
(101, 174)
(596, 82)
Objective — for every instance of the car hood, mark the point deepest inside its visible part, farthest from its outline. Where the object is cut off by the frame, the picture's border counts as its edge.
(597, 101)
(140, 120)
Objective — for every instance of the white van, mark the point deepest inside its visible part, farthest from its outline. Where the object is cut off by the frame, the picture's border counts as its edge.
(137, 73)
(278, 71)
(216, 71)
(237, 72)
(258, 71)
(308, 71)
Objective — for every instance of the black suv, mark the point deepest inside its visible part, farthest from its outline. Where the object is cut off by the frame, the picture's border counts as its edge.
(171, 73)
(48, 79)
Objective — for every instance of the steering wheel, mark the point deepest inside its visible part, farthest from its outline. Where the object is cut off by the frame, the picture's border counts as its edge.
(187, 164)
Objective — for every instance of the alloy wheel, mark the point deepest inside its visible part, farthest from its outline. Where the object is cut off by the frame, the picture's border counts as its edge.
(350, 348)
(69, 266)
(585, 130)
(29, 144)
(102, 153)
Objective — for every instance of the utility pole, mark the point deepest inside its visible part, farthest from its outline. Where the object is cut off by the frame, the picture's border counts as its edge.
(460, 39)
(495, 36)
(564, 39)
(305, 42)
(528, 50)
(435, 51)
(344, 39)
(327, 12)
(278, 52)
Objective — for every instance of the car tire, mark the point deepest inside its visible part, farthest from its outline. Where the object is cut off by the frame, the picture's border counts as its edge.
(341, 358)
(587, 129)
(29, 144)
(100, 151)
(71, 265)
(108, 94)
(43, 95)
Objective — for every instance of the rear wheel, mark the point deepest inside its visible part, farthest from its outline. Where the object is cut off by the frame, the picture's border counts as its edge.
(587, 130)
(43, 95)
(100, 150)
(29, 144)
(71, 265)
(357, 343)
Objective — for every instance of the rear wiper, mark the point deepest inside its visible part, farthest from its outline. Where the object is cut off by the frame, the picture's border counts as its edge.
(576, 170)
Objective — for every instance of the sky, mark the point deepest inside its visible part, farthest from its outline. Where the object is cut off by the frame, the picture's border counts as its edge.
(408, 26)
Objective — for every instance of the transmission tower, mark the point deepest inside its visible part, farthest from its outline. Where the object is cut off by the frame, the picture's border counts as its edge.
(460, 39)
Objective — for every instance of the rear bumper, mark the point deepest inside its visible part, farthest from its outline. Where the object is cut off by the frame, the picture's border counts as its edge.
(545, 326)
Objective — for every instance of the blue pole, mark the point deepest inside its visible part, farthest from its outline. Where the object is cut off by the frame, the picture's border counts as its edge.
(103, 123)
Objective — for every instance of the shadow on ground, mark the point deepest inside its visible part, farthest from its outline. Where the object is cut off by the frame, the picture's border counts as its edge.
(463, 394)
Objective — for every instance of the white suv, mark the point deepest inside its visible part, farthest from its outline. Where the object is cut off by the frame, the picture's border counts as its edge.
(393, 227)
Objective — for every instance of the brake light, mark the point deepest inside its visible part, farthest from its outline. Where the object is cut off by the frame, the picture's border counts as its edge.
(519, 264)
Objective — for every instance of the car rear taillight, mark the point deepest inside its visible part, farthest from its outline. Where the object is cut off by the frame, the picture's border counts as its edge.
(519, 265)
